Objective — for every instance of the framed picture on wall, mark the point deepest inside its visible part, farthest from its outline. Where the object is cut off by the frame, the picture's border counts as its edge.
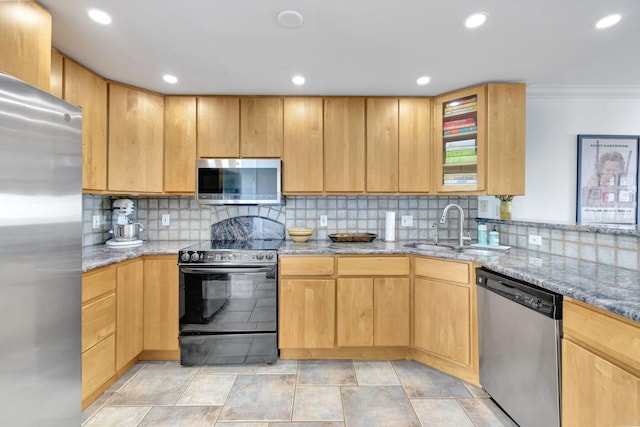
(607, 190)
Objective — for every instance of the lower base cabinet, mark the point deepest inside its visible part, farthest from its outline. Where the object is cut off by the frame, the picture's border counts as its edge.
(129, 313)
(600, 368)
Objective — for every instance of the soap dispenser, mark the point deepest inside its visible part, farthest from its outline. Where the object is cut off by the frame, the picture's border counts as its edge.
(494, 237)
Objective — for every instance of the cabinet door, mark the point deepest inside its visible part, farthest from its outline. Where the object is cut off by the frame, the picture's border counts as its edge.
(87, 89)
(136, 137)
(161, 293)
(355, 312)
(57, 66)
(344, 145)
(302, 158)
(595, 392)
(460, 141)
(506, 128)
(391, 311)
(443, 320)
(25, 51)
(218, 127)
(306, 316)
(261, 127)
(180, 144)
(414, 145)
(129, 312)
(382, 145)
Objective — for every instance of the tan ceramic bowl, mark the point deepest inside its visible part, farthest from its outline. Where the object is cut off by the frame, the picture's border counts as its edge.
(300, 234)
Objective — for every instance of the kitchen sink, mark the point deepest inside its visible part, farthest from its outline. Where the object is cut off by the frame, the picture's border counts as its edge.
(426, 246)
(473, 251)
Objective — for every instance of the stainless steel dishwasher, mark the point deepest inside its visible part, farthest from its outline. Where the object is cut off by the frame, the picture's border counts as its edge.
(519, 331)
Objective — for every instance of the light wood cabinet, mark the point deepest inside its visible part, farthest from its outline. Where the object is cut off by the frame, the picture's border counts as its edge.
(25, 51)
(479, 141)
(180, 144)
(129, 312)
(261, 127)
(218, 127)
(57, 73)
(98, 330)
(344, 145)
(371, 309)
(302, 169)
(445, 318)
(306, 303)
(414, 145)
(136, 140)
(382, 145)
(88, 90)
(161, 294)
(600, 367)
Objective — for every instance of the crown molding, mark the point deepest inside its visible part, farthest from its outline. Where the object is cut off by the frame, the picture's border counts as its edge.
(584, 91)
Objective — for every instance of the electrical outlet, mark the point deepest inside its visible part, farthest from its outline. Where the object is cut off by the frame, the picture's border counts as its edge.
(535, 240)
(166, 219)
(96, 221)
(407, 221)
(323, 220)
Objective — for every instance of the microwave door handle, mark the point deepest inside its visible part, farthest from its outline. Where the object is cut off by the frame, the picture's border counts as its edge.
(222, 270)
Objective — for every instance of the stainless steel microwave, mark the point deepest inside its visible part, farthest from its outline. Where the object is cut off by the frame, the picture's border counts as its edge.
(238, 181)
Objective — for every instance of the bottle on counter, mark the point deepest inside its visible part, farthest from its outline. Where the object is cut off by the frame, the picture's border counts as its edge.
(482, 234)
(494, 237)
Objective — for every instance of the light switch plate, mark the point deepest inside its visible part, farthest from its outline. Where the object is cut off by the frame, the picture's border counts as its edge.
(535, 240)
(323, 220)
(407, 220)
(96, 221)
(166, 219)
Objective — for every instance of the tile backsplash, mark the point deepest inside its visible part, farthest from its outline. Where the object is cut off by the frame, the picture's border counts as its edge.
(192, 221)
(364, 214)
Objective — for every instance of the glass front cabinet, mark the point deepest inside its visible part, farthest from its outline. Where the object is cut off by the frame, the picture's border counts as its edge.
(480, 140)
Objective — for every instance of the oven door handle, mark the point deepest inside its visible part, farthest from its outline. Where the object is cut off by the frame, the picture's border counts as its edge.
(222, 270)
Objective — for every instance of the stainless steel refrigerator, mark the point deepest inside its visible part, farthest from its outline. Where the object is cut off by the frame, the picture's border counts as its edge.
(40, 257)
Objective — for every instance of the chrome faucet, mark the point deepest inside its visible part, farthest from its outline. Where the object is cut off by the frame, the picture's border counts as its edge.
(443, 218)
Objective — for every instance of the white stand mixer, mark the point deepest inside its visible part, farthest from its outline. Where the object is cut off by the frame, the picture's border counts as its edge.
(125, 233)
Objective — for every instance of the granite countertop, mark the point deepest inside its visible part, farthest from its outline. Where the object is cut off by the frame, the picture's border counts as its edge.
(611, 288)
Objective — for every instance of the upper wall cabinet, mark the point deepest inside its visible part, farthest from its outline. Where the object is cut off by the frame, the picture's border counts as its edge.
(480, 140)
(88, 90)
(302, 154)
(179, 144)
(218, 127)
(382, 145)
(261, 127)
(344, 145)
(414, 145)
(25, 51)
(135, 140)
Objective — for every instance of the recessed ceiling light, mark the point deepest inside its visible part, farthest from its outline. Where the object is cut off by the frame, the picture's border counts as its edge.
(101, 17)
(423, 80)
(170, 79)
(475, 20)
(298, 80)
(608, 21)
(290, 19)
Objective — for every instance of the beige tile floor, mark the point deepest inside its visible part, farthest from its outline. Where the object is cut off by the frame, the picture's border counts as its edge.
(291, 393)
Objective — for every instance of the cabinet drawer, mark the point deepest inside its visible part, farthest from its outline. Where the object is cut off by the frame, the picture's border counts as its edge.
(450, 271)
(373, 266)
(306, 266)
(98, 365)
(98, 320)
(97, 283)
(616, 338)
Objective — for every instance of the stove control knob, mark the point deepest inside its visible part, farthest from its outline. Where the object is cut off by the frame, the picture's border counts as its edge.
(259, 256)
(269, 255)
(195, 256)
(185, 257)
(229, 257)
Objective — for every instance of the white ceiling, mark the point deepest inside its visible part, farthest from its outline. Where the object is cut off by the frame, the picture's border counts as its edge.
(350, 47)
